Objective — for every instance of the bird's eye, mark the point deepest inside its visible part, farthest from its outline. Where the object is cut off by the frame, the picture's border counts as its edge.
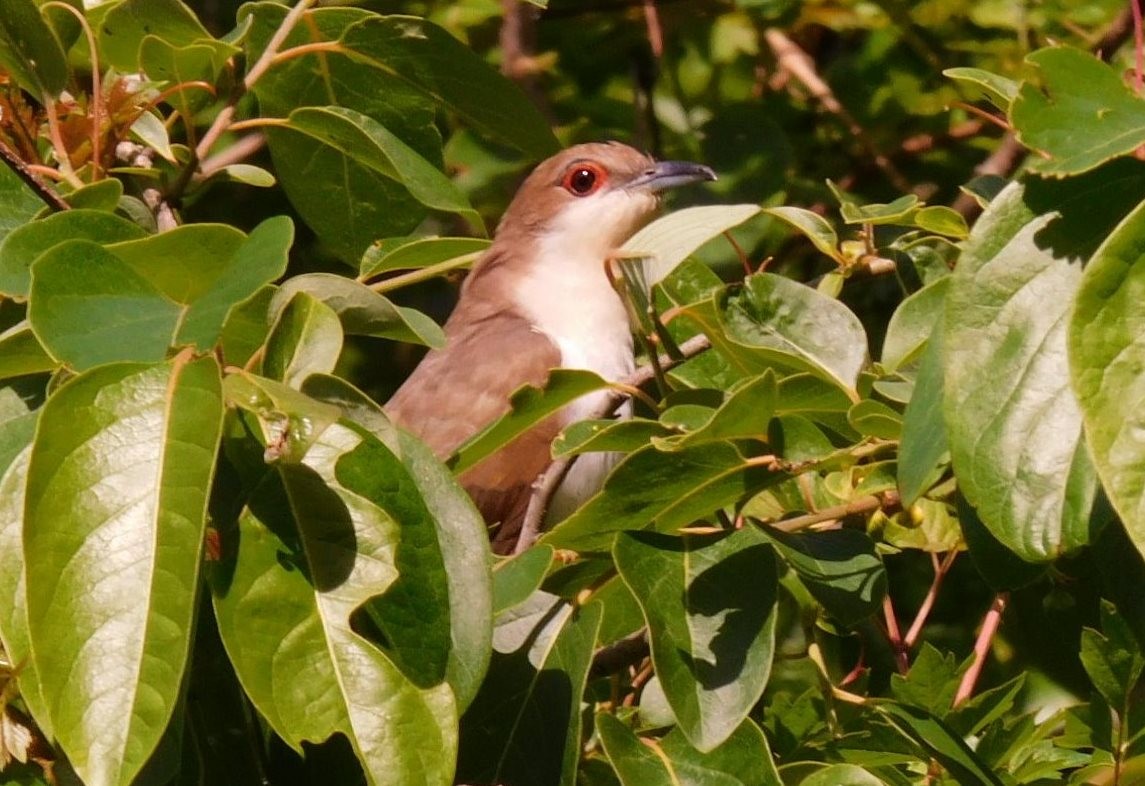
(583, 179)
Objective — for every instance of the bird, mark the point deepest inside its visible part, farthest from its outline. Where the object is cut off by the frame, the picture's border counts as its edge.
(539, 298)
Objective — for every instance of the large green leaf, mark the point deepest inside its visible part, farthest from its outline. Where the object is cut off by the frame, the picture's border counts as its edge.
(348, 205)
(433, 61)
(924, 448)
(363, 311)
(1013, 422)
(367, 142)
(743, 759)
(524, 727)
(651, 489)
(30, 51)
(21, 353)
(840, 568)
(1079, 112)
(528, 406)
(710, 605)
(940, 741)
(306, 339)
(126, 26)
(774, 322)
(113, 526)
(1106, 353)
(669, 240)
(319, 539)
(133, 300)
(18, 204)
(912, 323)
(15, 449)
(21, 247)
(461, 535)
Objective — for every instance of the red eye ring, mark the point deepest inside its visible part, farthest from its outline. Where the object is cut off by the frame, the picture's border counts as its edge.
(583, 179)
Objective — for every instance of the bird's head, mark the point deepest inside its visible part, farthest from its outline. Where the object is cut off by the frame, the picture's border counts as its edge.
(603, 190)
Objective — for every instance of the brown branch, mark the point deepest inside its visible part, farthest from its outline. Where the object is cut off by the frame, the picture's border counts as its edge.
(868, 504)
(549, 481)
(792, 59)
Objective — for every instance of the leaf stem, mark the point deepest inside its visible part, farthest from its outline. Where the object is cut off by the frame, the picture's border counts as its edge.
(940, 571)
(96, 86)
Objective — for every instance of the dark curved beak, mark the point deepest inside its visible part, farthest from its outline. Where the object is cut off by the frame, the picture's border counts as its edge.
(669, 174)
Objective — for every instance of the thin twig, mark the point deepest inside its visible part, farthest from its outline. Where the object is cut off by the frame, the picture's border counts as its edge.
(940, 571)
(982, 647)
(894, 636)
(799, 64)
(47, 195)
(868, 504)
(233, 154)
(550, 480)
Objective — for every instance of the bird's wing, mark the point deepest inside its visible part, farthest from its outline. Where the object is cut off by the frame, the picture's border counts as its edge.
(459, 389)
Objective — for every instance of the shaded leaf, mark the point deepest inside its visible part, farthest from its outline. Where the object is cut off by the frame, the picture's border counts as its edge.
(30, 51)
(743, 759)
(21, 247)
(840, 568)
(651, 489)
(592, 436)
(937, 739)
(21, 353)
(528, 406)
(709, 602)
(524, 726)
(516, 578)
(306, 339)
(924, 447)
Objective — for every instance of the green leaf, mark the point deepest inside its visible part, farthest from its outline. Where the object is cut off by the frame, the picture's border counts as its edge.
(840, 568)
(742, 759)
(651, 489)
(517, 578)
(912, 324)
(942, 221)
(21, 353)
(710, 605)
(178, 66)
(131, 301)
(982, 709)
(127, 24)
(30, 51)
(528, 406)
(1113, 661)
(101, 195)
(924, 448)
(433, 61)
(21, 247)
(246, 327)
(774, 322)
(524, 727)
(306, 339)
(367, 142)
(317, 541)
(1080, 112)
(1013, 422)
(841, 775)
(900, 211)
(1106, 353)
(594, 436)
(421, 253)
(461, 535)
(744, 415)
(998, 90)
(814, 226)
(363, 311)
(669, 240)
(112, 543)
(875, 419)
(931, 683)
(289, 421)
(15, 450)
(18, 203)
(348, 205)
(937, 739)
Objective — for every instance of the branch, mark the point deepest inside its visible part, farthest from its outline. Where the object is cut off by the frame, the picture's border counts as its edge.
(47, 195)
(981, 647)
(549, 481)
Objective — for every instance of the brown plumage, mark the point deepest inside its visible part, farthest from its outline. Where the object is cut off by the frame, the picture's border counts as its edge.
(537, 299)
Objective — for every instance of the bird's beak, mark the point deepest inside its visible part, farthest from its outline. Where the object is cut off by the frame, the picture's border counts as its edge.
(668, 174)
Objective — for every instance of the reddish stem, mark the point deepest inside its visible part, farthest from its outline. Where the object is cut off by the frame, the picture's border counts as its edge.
(981, 647)
(895, 636)
(940, 571)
